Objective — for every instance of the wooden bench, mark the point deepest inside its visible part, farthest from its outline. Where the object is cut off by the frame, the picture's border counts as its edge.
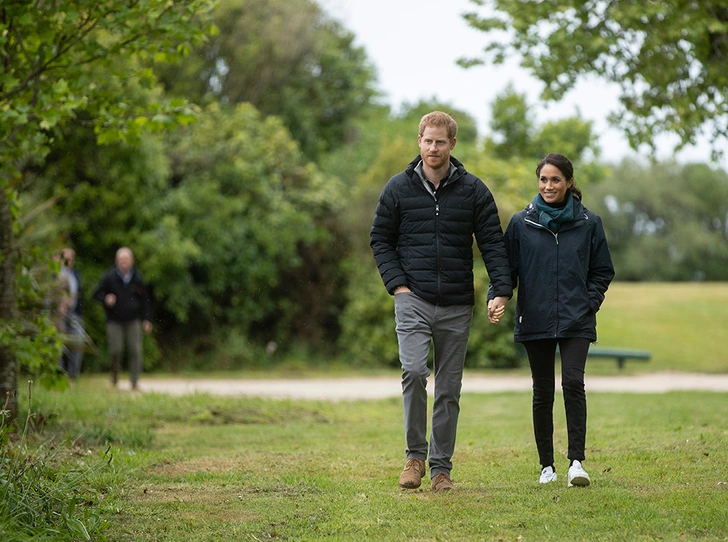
(619, 354)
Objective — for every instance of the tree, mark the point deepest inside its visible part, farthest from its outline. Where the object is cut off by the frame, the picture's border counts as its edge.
(512, 123)
(287, 58)
(259, 215)
(232, 228)
(517, 135)
(51, 54)
(668, 58)
(105, 196)
(665, 221)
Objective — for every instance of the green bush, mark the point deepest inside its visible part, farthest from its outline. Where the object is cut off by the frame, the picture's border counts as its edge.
(367, 323)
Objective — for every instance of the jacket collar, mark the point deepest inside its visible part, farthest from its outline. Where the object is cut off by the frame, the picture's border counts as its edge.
(580, 215)
(459, 168)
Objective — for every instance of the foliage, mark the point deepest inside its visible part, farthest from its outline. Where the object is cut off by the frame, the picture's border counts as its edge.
(32, 335)
(260, 219)
(51, 57)
(228, 224)
(44, 495)
(516, 134)
(367, 336)
(667, 58)
(103, 197)
(48, 54)
(665, 221)
(288, 59)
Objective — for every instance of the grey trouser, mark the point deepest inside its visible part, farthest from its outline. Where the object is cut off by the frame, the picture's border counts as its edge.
(418, 324)
(116, 332)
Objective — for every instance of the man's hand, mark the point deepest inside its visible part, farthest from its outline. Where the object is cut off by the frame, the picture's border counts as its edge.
(147, 325)
(496, 309)
(401, 290)
(110, 300)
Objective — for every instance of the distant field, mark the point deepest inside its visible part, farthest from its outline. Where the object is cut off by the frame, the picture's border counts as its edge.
(684, 325)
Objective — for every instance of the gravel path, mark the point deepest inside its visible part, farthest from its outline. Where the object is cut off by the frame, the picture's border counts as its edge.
(342, 389)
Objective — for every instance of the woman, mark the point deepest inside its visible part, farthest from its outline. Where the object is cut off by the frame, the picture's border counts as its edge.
(560, 261)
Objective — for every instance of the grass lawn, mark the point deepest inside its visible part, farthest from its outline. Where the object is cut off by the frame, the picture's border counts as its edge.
(683, 324)
(152, 467)
(213, 468)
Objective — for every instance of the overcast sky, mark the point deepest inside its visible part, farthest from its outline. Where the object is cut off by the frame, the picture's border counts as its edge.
(415, 44)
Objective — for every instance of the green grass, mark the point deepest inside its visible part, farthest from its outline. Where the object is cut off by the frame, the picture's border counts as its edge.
(682, 324)
(214, 468)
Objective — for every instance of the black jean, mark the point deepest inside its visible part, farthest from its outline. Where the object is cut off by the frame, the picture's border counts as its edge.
(541, 358)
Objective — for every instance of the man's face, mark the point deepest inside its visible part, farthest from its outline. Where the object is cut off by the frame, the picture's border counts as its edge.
(124, 261)
(435, 146)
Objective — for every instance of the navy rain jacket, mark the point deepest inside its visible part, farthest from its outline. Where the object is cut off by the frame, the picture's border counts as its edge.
(561, 277)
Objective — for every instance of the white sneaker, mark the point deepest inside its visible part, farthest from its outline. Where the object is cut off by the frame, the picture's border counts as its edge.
(577, 475)
(547, 475)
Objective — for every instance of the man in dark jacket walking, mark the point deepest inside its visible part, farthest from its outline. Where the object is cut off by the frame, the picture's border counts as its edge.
(124, 295)
(422, 237)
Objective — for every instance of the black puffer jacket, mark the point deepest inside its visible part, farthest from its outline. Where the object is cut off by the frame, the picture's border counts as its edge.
(561, 277)
(425, 242)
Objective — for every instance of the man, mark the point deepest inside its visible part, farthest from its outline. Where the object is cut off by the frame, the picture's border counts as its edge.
(73, 315)
(422, 238)
(124, 295)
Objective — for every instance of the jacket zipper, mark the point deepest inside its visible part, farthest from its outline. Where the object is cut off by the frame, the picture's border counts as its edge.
(556, 238)
(437, 242)
(437, 229)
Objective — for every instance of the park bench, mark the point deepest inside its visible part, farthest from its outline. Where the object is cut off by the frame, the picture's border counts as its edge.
(619, 354)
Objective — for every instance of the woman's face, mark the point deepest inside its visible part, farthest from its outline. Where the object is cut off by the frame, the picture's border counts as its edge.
(552, 185)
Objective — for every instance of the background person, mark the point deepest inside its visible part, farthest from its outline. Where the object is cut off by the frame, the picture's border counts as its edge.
(561, 266)
(126, 302)
(422, 238)
(73, 315)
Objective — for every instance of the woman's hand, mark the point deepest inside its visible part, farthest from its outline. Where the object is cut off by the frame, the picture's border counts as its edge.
(496, 309)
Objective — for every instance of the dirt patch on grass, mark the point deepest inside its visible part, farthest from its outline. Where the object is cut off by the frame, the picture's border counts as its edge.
(214, 465)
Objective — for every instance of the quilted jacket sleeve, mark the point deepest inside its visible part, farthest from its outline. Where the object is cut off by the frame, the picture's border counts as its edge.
(384, 237)
(489, 236)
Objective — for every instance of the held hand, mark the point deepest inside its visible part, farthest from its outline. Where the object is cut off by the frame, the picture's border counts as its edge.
(110, 300)
(496, 309)
(147, 325)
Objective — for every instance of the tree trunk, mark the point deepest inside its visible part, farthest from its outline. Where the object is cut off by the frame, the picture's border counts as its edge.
(8, 307)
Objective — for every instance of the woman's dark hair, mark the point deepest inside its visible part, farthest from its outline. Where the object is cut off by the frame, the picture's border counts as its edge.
(564, 164)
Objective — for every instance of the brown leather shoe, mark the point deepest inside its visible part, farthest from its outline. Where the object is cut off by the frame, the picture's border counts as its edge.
(411, 476)
(442, 482)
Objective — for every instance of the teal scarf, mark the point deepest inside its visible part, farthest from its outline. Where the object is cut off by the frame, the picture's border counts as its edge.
(553, 217)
